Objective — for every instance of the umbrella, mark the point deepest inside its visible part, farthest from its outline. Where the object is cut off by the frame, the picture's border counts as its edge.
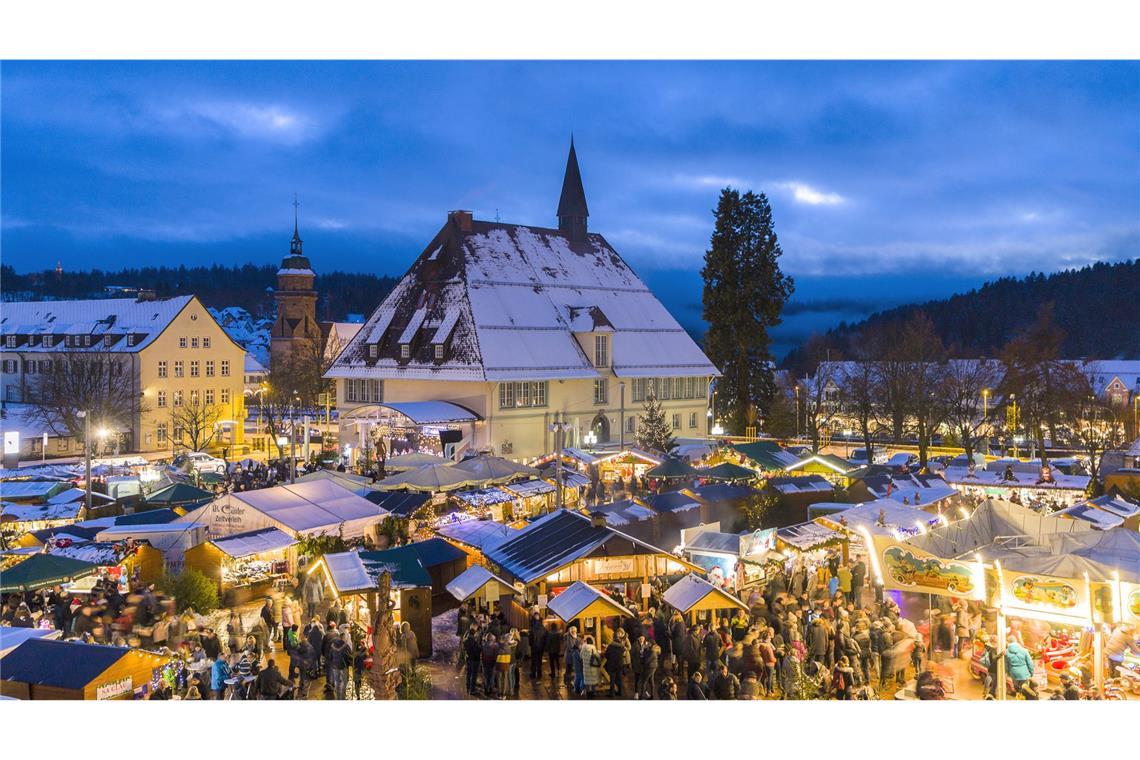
(43, 570)
(412, 461)
(431, 477)
(495, 469)
(728, 471)
(672, 468)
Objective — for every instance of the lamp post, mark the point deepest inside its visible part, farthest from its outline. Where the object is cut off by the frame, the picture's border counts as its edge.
(986, 415)
(293, 436)
(621, 417)
(87, 456)
(558, 427)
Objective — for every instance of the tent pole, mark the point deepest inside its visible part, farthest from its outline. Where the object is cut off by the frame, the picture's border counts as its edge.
(1000, 685)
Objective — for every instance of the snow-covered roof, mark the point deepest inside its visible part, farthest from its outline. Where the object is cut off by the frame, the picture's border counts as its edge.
(467, 584)
(117, 317)
(801, 484)
(528, 488)
(312, 507)
(479, 534)
(38, 512)
(516, 294)
(916, 489)
(1090, 514)
(254, 542)
(962, 477)
(582, 599)
(691, 591)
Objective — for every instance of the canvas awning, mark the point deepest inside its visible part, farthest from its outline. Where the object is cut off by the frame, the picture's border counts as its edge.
(472, 580)
(583, 600)
(728, 471)
(43, 570)
(492, 469)
(433, 478)
(413, 460)
(417, 412)
(254, 542)
(692, 594)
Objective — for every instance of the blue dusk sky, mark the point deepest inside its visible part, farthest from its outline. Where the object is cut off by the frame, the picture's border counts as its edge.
(889, 182)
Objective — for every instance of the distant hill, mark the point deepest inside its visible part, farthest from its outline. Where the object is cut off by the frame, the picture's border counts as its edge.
(248, 286)
(1097, 306)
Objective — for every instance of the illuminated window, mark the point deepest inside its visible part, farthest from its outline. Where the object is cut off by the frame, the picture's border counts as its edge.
(601, 391)
(405, 351)
(438, 351)
(161, 399)
(178, 398)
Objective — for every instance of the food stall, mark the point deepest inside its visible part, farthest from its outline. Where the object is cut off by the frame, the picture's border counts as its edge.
(700, 601)
(625, 464)
(586, 605)
(575, 486)
(127, 562)
(480, 503)
(69, 670)
(532, 497)
(246, 566)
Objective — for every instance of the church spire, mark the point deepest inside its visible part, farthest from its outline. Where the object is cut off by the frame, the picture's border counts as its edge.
(295, 243)
(572, 211)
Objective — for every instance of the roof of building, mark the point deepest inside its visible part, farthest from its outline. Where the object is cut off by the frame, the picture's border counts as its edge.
(582, 599)
(1117, 505)
(254, 542)
(800, 484)
(360, 570)
(673, 501)
(624, 512)
(915, 488)
(528, 488)
(516, 293)
(11, 637)
(830, 461)
(435, 551)
(1098, 518)
(554, 541)
(807, 536)
(713, 492)
(302, 507)
(148, 517)
(963, 476)
(116, 317)
(62, 664)
(29, 489)
(470, 581)
(695, 592)
(715, 541)
(38, 512)
(768, 455)
(43, 570)
(478, 534)
(180, 493)
(398, 503)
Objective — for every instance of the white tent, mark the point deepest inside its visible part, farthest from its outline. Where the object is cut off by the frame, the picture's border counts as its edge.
(433, 478)
(995, 529)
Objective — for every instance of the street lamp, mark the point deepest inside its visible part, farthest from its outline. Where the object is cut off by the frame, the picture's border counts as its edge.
(621, 417)
(590, 439)
(86, 417)
(558, 427)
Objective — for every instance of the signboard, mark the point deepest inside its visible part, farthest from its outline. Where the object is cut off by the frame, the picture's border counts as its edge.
(1045, 597)
(115, 689)
(614, 566)
(542, 599)
(758, 542)
(906, 568)
(1130, 601)
(492, 592)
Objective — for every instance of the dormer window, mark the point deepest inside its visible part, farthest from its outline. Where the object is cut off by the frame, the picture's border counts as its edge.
(601, 350)
(131, 339)
(405, 351)
(439, 352)
(86, 341)
(48, 341)
(10, 341)
(107, 341)
(373, 351)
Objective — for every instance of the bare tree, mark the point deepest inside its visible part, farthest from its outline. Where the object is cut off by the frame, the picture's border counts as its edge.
(925, 359)
(1097, 428)
(963, 383)
(860, 399)
(98, 384)
(892, 381)
(196, 421)
(819, 397)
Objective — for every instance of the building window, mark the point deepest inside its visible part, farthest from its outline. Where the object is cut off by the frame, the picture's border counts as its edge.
(210, 396)
(363, 390)
(373, 350)
(206, 342)
(162, 368)
(538, 394)
(405, 351)
(182, 343)
(9, 366)
(630, 424)
(10, 341)
(107, 341)
(438, 352)
(692, 419)
(49, 340)
(161, 399)
(225, 395)
(601, 391)
(676, 421)
(161, 433)
(225, 368)
(177, 433)
(524, 394)
(506, 395)
(194, 368)
(194, 342)
(601, 350)
(87, 341)
(179, 369)
(130, 340)
(194, 397)
(209, 368)
(178, 398)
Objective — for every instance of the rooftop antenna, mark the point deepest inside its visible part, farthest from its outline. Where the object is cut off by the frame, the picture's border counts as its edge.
(496, 216)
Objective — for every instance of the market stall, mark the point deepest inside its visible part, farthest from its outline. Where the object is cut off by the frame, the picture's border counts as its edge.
(586, 606)
(478, 504)
(700, 601)
(129, 561)
(42, 571)
(68, 670)
(1030, 489)
(532, 497)
(479, 584)
(625, 464)
(246, 566)
(475, 536)
(575, 486)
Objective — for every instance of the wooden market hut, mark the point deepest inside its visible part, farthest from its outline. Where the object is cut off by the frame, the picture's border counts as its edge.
(118, 559)
(699, 600)
(590, 607)
(479, 584)
(444, 562)
(565, 547)
(836, 469)
(476, 536)
(245, 566)
(52, 669)
(354, 578)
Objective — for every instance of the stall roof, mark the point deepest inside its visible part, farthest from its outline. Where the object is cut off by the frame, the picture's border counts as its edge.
(724, 492)
(78, 494)
(81, 532)
(715, 541)
(808, 536)
(728, 471)
(1098, 518)
(302, 507)
(478, 534)
(554, 541)
(432, 478)
(180, 493)
(695, 593)
(62, 664)
(413, 460)
(570, 479)
(403, 563)
(436, 551)
(11, 637)
(917, 489)
(528, 488)
(882, 517)
(28, 489)
(149, 517)
(987, 479)
(470, 581)
(830, 461)
(254, 542)
(398, 503)
(583, 600)
(36, 512)
(997, 529)
(769, 455)
(42, 570)
(799, 484)
(1117, 505)
(101, 553)
(624, 512)
(483, 497)
(347, 572)
(673, 501)
(493, 469)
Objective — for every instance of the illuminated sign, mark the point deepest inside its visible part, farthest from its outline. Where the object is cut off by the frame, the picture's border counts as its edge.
(906, 568)
(114, 689)
(1046, 597)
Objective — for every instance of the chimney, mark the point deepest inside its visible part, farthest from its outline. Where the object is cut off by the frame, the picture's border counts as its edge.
(462, 219)
(597, 520)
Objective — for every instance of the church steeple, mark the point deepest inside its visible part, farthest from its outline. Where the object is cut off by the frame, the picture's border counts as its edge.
(295, 243)
(572, 211)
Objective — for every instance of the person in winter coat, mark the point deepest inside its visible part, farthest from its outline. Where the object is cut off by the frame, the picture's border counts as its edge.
(696, 689)
(235, 633)
(472, 654)
(552, 647)
(1019, 665)
(819, 641)
(650, 661)
(858, 577)
(842, 678)
(591, 661)
(270, 683)
(313, 594)
(487, 656)
(725, 685)
(713, 647)
(615, 667)
(268, 618)
(315, 635)
(219, 672)
(359, 655)
(537, 638)
(339, 659)
(679, 639)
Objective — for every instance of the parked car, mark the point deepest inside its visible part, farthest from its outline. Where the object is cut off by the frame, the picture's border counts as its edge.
(859, 457)
(198, 461)
(902, 460)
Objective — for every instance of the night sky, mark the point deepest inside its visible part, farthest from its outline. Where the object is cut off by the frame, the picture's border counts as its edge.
(889, 182)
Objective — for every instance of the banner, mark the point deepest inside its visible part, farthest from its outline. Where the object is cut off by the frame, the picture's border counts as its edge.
(906, 568)
(1046, 597)
(758, 542)
(1130, 601)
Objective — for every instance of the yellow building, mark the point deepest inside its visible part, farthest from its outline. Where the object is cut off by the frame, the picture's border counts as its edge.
(500, 330)
(172, 367)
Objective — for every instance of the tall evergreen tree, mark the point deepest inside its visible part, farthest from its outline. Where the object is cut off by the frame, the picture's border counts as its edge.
(744, 294)
(654, 432)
